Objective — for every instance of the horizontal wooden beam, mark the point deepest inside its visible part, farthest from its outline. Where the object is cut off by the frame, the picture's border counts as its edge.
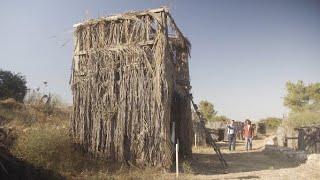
(84, 52)
(121, 16)
(291, 138)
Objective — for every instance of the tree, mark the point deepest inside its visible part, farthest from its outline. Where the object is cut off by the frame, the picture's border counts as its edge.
(220, 118)
(12, 85)
(272, 122)
(314, 96)
(302, 97)
(207, 110)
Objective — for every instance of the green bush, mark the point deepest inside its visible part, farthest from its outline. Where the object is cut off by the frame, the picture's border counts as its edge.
(272, 122)
(186, 167)
(220, 118)
(12, 85)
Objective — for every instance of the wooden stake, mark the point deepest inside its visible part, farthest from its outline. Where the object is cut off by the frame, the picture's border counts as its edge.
(177, 158)
(195, 140)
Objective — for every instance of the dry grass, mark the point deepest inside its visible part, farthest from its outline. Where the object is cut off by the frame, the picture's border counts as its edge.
(46, 143)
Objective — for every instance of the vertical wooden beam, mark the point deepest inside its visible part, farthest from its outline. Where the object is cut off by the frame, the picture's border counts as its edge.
(173, 132)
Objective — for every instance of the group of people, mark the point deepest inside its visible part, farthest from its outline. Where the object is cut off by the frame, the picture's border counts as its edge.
(247, 132)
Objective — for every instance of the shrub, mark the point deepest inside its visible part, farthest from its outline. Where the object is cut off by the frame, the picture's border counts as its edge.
(33, 96)
(220, 118)
(302, 119)
(272, 122)
(12, 85)
(48, 104)
(186, 167)
(207, 110)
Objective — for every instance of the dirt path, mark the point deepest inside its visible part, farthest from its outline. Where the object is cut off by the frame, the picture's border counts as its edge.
(254, 164)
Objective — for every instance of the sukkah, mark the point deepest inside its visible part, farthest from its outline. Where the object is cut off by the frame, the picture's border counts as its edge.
(130, 82)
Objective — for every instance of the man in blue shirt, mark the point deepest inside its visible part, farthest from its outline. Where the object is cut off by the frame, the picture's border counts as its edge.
(231, 131)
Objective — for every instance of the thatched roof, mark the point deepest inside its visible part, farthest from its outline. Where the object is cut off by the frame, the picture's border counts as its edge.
(175, 35)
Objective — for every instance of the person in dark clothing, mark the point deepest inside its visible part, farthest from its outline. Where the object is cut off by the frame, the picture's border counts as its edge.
(231, 131)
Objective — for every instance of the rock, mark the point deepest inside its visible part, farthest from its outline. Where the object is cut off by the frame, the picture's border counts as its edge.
(288, 152)
(271, 140)
(301, 156)
(314, 160)
(280, 136)
(270, 148)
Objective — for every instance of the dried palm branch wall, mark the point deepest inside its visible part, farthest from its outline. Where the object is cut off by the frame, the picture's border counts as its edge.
(130, 81)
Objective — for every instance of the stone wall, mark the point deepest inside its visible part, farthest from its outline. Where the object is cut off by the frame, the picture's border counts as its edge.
(290, 153)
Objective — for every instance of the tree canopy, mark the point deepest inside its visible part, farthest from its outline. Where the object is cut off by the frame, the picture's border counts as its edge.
(209, 113)
(207, 110)
(220, 118)
(302, 97)
(272, 122)
(12, 85)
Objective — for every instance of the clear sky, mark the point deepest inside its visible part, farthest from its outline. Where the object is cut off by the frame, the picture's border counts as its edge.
(243, 52)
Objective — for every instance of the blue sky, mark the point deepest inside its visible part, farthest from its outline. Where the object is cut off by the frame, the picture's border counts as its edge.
(242, 53)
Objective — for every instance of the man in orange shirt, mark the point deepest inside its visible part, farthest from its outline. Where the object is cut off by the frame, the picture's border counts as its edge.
(248, 132)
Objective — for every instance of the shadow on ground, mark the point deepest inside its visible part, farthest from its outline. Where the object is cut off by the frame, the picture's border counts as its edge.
(240, 144)
(12, 168)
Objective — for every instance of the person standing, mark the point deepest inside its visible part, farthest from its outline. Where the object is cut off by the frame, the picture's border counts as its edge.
(248, 132)
(231, 131)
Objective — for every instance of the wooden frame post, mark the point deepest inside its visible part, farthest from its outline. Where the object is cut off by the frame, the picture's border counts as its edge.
(177, 158)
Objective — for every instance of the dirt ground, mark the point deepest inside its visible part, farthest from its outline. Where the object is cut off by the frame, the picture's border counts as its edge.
(255, 164)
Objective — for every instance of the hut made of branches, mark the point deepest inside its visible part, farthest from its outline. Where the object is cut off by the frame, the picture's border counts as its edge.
(130, 85)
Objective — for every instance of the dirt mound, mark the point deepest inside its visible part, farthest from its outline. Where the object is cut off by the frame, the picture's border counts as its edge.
(11, 103)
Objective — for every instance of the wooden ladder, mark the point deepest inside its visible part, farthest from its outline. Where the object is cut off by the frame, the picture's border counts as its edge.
(209, 138)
